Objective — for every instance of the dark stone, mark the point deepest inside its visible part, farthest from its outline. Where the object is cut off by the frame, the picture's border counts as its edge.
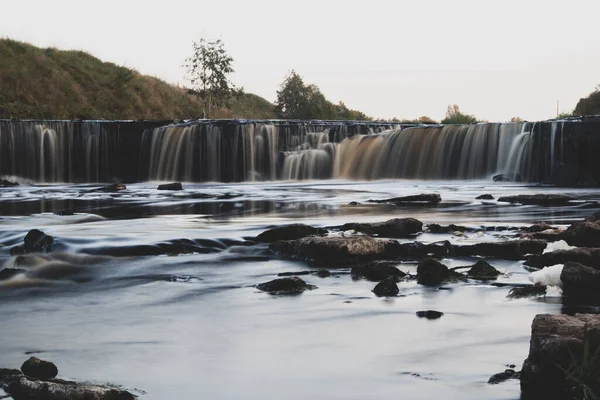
(431, 198)
(508, 250)
(484, 197)
(582, 255)
(433, 272)
(323, 273)
(386, 288)
(292, 285)
(393, 228)
(482, 270)
(377, 272)
(436, 228)
(6, 183)
(40, 369)
(35, 241)
(337, 251)
(354, 203)
(585, 233)
(557, 344)
(299, 273)
(539, 227)
(170, 186)
(289, 232)
(580, 281)
(526, 291)
(507, 178)
(5, 372)
(21, 387)
(115, 187)
(503, 376)
(430, 314)
(418, 250)
(8, 273)
(545, 200)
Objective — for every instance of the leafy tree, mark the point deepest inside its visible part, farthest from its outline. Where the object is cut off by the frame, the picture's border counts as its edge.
(207, 71)
(455, 116)
(589, 105)
(516, 119)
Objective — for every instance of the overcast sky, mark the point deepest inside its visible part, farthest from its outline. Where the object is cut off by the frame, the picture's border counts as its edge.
(495, 59)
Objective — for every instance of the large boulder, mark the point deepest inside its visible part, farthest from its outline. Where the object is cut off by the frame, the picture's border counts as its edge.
(545, 200)
(555, 368)
(585, 233)
(289, 232)
(418, 199)
(337, 251)
(580, 281)
(508, 250)
(582, 255)
(482, 270)
(377, 272)
(393, 228)
(40, 369)
(293, 285)
(433, 272)
(386, 288)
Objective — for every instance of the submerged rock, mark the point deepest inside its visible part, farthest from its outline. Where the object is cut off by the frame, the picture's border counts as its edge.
(484, 197)
(291, 285)
(337, 251)
(386, 288)
(429, 314)
(21, 387)
(508, 250)
(289, 232)
(504, 376)
(431, 198)
(7, 273)
(558, 343)
(433, 272)
(482, 270)
(170, 186)
(507, 178)
(35, 241)
(582, 255)
(545, 200)
(393, 228)
(377, 272)
(40, 369)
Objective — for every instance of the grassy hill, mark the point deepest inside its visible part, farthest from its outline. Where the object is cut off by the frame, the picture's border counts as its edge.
(55, 84)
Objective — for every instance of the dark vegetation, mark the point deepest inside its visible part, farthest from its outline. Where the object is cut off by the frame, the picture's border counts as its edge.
(589, 105)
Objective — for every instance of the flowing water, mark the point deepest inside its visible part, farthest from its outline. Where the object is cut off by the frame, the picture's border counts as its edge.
(183, 320)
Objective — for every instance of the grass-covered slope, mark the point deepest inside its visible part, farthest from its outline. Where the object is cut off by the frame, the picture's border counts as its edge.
(48, 83)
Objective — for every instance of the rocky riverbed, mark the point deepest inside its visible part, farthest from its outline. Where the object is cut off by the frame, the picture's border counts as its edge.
(234, 288)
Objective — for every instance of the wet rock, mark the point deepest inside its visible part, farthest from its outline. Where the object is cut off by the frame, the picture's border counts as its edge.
(539, 227)
(289, 232)
(557, 345)
(377, 272)
(354, 203)
(40, 369)
(299, 273)
(482, 270)
(7, 183)
(507, 178)
(582, 255)
(170, 186)
(115, 187)
(7, 273)
(393, 228)
(526, 291)
(430, 314)
(484, 197)
(433, 272)
(291, 285)
(337, 251)
(508, 250)
(545, 200)
(584, 234)
(323, 273)
(386, 288)
(419, 199)
(35, 241)
(503, 376)
(580, 281)
(436, 228)
(418, 250)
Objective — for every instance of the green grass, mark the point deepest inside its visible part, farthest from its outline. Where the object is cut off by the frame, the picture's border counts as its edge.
(49, 83)
(583, 374)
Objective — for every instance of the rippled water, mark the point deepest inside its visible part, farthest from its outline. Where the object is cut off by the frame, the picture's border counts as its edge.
(186, 322)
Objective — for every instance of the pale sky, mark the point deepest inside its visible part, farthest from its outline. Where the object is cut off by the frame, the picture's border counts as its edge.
(495, 59)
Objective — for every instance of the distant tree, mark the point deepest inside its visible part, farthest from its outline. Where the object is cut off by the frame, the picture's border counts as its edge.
(516, 119)
(426, 120)
(207, 71)
(563, 115)
(589, 105)
(455, 116)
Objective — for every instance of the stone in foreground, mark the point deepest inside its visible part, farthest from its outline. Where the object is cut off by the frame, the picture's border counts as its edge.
(386, 288)
(40, 369)
(289, 232)
(433, 272)
(580, 281)
(482, 270)
(293, 285)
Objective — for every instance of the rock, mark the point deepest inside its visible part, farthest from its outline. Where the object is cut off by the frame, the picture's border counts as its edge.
(386, 288)
(6, 183)
(539, 227)
(40, 369)
(580, 281)
(35, 241)
(584, 234)
(557, 345)
(7, 273)
(436, 228)
(433, 272)
(289, 232)
(354, 203)
(484, 197)
(377, 272)
(482, 270)
(429, 314)
(115, 187)
(323, 273)
(418, 250)
(291, 285)
(299, 273)
(545, 200)
(507, 178)
(526, 291)
(419, 199)
(393, 228)
(170, 186)
(503, 376)
(337, 251)
(582, 255)
(508, 250)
